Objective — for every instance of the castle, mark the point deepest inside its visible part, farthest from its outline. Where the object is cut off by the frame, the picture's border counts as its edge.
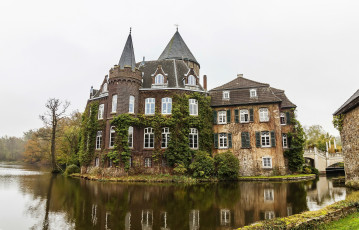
(248, 118)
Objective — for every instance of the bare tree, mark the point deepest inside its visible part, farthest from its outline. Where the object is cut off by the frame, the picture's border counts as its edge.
(56, 111)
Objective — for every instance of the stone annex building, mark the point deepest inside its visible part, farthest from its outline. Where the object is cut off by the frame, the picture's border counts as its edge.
(250, 119)
(350, 136)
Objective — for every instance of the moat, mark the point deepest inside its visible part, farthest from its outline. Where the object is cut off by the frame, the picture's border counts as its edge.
(32, 198)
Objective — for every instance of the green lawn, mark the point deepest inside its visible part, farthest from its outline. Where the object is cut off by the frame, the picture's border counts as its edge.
(349, 222)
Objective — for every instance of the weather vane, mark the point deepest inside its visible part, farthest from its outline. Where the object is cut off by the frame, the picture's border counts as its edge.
(176, 25)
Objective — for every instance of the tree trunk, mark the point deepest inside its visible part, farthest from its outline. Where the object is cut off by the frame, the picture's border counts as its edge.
(53, 139)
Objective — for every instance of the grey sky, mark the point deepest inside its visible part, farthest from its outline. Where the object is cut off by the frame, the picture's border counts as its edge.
(60, 48)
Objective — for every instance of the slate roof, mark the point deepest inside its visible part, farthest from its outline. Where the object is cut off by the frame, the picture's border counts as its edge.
(128, 55)
(239, 94)
(350, 104)
(177, 49)
(175, 70)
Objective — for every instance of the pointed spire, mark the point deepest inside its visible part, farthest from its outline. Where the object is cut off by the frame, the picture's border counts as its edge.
(177, 49)
(128, 55)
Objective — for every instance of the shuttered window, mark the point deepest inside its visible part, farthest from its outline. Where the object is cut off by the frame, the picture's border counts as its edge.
(214, 117)
(229, 140)
(215, 140)
(228, 116)
(251, 118)
(272, 137)
(236, 115)
(245, 137)
(288, 118)
(258, 139)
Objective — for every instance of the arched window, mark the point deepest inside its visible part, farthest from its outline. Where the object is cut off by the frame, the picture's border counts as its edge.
(159, 79)
(149, 138)
(192, 80)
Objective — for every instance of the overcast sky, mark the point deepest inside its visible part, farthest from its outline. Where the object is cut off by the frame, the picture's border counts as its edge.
(59, 49)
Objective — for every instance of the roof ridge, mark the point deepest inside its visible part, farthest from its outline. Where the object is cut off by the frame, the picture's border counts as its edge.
(221, 87)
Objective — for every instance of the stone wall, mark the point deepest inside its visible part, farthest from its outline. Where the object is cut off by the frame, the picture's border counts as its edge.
(350, 142)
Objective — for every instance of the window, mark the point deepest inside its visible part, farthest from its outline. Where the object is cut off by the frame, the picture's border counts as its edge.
(159, 79)
(244, 115)
(223, 143)
(98, 139)
(222, 115)
(193, 138)
(148, 162)
(253, 93)
(285, 140)
(263, 115)
(192, 80)
(268, 194)
(130, 161)
(114, 104)
(193, 107)
(246, 143)
(149, 138)
(165, 137)
(194, 219)
(225, 94)
(101, 109)
(110, 163)
(104, 88)
(225, 217)
(97, 162)
(267, 162)
(130, 136)
(268, 215)
(131, 104)
(282, 119)
(265, 139)
(166, 105)
(150, 106)
(112, 137)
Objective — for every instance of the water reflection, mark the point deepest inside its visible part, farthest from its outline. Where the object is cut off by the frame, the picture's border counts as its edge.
(56, 202)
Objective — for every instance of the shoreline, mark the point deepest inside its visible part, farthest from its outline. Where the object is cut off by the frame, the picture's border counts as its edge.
(166, 178)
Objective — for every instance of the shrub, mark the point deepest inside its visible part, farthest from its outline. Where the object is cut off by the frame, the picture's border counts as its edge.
(72, 169)
(179, 169)
(310, 170)
(202, 165)
(95, 171)
(226, 166)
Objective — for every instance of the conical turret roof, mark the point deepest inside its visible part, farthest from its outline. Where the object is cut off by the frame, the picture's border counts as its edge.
(177, 49)
(128, 55)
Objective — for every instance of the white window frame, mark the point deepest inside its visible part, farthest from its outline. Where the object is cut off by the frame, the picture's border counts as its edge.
(111, 143)
(131, 104)
(263, 115)
(150, 105)
(225, 217)
(148, 162)
(285, 140)
(226, 95)
(130, 137)
(114, 104)
(268, 215)
(165, 137)
(159, 79)
(193, 107)
(282, 118)
(166, 105)
(268, 195)
(267, 162)
(242, 116)
(222, 117)
(149, 138)
(98, 140)
(101, 109)
(223, 141)
(193, 138)
(253, 93)
(192, 80)
(97, 162)
(265, 139)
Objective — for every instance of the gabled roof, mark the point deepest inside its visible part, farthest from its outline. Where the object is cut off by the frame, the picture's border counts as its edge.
(128, 55)
(351, 103)
(177, 49)
(240, 83)
(175, 71)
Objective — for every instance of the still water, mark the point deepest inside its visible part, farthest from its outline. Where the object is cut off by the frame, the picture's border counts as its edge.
(31, 198)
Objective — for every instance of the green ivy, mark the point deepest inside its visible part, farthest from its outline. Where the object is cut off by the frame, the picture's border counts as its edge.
(338, 122)
(89, 128)
(296, 146)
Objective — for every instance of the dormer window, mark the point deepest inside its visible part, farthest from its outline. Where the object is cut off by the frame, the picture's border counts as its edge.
(104, 88)
(192, 80)
(159, 79)
(225, 94)
(253, 93)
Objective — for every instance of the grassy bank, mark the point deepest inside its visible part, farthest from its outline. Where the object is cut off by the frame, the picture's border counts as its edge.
(167, 178)
(313, 219)
(349, 222)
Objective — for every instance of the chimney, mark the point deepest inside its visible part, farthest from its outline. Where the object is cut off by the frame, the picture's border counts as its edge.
(240, 75)
(205, 82)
